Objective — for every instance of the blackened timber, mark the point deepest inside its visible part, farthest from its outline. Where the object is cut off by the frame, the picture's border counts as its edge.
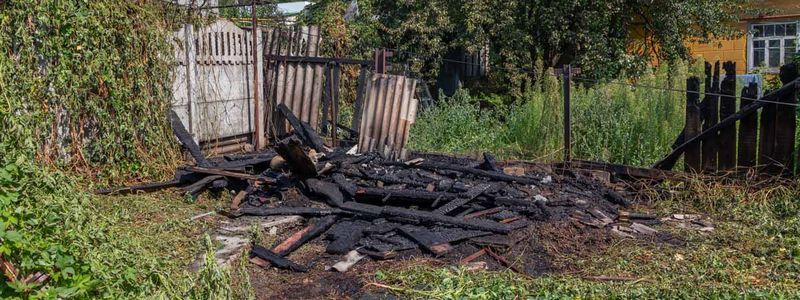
(275, 260)
(313, 231)
(489, 163)
(299, 162)
(288, 211)
(748, 129)
(415, 196)
(710, 145)
(463, 199)
(429, 217)
(791, 87)
(186, 140)
(327, 190)
(305, 132)
(433, 166)
(727, 106)
(348, 187)
(692, 159)
(196, 188)
(237, 175)
(147, 187)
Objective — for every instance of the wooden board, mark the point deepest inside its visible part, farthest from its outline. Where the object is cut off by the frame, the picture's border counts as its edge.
(692, 158)
(710, 118)
(727, 107)
(748, 129)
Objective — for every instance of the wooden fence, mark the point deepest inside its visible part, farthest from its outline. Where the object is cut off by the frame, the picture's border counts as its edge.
(765, 138)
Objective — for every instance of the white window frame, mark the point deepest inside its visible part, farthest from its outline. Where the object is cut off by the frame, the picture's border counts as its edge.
(751, 64)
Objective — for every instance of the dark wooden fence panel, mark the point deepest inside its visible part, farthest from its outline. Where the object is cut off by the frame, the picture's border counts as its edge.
(764, 138)
(748, 129)
(692, 159)
(710, 109)
(727, 107)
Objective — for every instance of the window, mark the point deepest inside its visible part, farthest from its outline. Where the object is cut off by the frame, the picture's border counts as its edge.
(772, 45)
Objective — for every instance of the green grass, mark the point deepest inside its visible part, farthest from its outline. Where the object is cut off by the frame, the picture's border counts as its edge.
(610, 122)
(754, 252)
(118, 247)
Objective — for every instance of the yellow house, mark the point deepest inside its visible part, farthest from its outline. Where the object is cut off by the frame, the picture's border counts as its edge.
(767, 41)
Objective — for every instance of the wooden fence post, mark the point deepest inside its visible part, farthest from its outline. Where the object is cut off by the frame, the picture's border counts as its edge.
(727, 107)
(567, 130)
(748, 129)
(692, 159)
(710, 118)
(786, 123)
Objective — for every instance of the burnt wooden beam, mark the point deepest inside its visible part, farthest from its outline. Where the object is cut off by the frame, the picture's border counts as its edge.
(435, 166)
(186, 140)
(198, 187)
(301, 237)
(673, 156)
(416, 196)
(237, 175)
(463, 199)
(302, 130)
(288, 211)
(146, 188)
(298, 160)
(727, 106)
(326, 189)
(413, 216)
(275, 260)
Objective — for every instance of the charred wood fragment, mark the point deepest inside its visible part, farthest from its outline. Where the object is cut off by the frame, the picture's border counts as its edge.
(146, 188)
(304, 131)
(288, 211)
(326, 189)
(301, 237)
(275, 260)
(186, 140)
(298, 160)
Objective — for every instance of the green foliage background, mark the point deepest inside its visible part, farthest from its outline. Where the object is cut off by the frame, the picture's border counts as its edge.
(84, 95)
(86, 84)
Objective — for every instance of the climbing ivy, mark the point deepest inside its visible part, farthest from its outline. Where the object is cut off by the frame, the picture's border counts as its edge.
(86, 85)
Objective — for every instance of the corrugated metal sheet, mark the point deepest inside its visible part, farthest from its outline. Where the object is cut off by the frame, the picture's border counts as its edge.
(296, 84)
(390, 107)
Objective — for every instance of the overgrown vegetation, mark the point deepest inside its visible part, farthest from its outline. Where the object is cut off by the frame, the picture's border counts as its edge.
(611, 121)
(84, 97)
(754, 252)
(86, 85)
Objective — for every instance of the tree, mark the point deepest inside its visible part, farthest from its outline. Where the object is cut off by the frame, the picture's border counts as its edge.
(599, 35)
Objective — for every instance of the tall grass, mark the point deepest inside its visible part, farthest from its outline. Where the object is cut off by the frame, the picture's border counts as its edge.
(611, 121)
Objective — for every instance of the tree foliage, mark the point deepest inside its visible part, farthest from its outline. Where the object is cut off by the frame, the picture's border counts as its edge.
(606, 38)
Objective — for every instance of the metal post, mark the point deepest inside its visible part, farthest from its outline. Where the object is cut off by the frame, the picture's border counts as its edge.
(259, 132)
(567, 130)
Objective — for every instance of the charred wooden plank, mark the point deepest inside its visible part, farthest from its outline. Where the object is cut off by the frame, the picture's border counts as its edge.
(428, 217)
(275, 260)
(147, 187)
(237, 175)
(301, 237)
(186, 140)
(438, 240)
(348, 187)
(345, 235)
(785, 124)
(201, 185)
(435, 166)
(326, 189)
(288, 211)
(748, 129)
(422, 197)
(301, 165)
(303, 131)
(727, 107)
(463, 199)
(692, 158)
(710, 146)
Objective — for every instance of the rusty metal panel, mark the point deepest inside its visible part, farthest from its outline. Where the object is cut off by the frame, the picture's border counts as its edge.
(390, 107)
(297, 84)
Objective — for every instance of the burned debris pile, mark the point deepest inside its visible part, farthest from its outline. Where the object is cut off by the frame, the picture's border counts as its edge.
(383, 208)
